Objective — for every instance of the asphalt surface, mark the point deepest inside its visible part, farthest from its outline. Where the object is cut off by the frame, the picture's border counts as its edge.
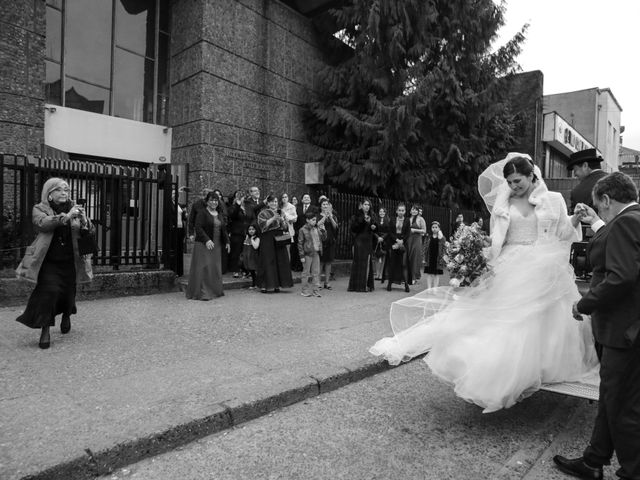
(140, 376)
(399, 424)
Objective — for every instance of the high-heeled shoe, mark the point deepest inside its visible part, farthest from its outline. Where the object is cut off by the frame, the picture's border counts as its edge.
(45, 340)
(65, 324)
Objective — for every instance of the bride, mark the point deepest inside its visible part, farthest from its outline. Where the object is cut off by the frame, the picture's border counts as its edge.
(499, 340)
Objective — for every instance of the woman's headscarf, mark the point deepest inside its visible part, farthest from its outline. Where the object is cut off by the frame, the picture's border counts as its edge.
(49, 186)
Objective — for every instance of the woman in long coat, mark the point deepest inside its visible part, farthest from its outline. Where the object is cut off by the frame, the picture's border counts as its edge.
(396, 269)
(53, 261)
(205, 274)
(363, 226)
(274, 270)
(239, 220)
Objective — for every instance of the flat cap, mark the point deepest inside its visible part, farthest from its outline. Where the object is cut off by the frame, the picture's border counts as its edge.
(588, 155)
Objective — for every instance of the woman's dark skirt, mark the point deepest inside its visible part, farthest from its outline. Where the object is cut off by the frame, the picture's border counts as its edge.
(205, 273)
(274, 268)
(55, 293)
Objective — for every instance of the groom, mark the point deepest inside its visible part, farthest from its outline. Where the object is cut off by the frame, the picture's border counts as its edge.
(613, 301)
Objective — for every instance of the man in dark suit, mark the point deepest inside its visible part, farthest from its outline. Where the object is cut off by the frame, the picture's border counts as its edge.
(253, 204)
(613, 301)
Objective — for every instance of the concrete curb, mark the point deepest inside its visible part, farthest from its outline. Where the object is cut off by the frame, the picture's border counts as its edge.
(223, 415)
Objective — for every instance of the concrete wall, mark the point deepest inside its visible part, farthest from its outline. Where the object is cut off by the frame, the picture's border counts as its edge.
(240, 72)
(22, 49)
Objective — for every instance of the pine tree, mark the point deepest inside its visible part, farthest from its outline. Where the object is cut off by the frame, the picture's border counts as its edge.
(415, 110)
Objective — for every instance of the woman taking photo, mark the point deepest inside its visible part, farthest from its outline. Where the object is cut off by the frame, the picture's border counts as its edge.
(290, 216)
(274, 271)
(53, 261)
(364, 227)
(329, 221)
(239, 220)
(205, 275)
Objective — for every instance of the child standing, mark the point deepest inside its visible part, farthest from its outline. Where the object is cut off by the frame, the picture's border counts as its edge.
(250, 253)
(310, 239)
(433, 252)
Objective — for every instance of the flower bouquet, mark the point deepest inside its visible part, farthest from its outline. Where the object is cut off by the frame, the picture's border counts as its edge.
(464, 255)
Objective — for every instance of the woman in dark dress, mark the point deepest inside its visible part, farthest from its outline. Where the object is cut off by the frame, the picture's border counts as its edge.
(53, 260)
(329, 220)
(205, 274)
(380, 253)
(413, 244)
(239, 220)
(274, 271)
(396, 268)
(433, 253)
(364, 227)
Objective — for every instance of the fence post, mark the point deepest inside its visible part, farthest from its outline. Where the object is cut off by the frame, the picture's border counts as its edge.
(168, 220)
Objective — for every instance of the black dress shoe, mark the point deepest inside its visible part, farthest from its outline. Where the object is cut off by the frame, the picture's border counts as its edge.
(389, 288)
(65, 324)
(406, 288)
(578, 468)
(44, 338)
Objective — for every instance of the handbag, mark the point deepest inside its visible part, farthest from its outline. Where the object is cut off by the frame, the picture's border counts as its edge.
(87, 244)
(283, 239)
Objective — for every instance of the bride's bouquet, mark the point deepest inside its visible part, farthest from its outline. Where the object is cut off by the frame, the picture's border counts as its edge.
(464, 255)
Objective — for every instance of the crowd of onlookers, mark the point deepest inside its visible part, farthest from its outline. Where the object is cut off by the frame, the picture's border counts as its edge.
(265, 239)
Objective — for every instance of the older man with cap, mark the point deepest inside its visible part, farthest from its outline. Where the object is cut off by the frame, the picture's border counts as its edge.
(585, 165)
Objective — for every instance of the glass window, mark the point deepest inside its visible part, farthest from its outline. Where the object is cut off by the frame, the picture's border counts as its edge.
(80, 44)
(88, 40)
(135, 26)
(84, 96)
(52, 85)
(54, 34)
(133, 86)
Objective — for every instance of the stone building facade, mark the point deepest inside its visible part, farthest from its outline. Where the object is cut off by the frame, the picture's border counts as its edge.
(22, 45)
(240, 72)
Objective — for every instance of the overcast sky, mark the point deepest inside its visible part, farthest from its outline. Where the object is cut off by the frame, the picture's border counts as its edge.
(579, 44)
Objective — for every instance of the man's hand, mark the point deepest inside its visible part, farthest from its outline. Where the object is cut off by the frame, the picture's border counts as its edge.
(585, 213)
(574, 311)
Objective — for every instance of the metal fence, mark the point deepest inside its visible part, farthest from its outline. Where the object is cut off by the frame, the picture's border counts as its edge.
(345, 205)
(130, 207)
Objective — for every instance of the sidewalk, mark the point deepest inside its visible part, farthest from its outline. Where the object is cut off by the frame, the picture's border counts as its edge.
(138, 376)
(141, 375)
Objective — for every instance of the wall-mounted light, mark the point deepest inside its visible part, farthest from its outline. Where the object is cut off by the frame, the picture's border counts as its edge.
(51, 109)
(165, 129)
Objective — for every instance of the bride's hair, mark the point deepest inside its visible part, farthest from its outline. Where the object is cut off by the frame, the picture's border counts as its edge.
(521, 165)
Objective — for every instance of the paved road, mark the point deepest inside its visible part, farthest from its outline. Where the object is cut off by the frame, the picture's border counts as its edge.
(399, 424)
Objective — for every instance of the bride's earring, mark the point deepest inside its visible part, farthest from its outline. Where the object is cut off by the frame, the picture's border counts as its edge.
(49, 198)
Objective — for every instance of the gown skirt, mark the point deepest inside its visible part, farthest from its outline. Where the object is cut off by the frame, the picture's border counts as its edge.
(55, 293)
(274, 267)
(499, 340)
(205, 275)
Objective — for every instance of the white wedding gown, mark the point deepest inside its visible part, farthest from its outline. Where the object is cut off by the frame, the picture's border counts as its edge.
(498, 341)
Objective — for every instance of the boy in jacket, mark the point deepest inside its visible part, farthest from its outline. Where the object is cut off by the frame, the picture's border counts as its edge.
(310, 239)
